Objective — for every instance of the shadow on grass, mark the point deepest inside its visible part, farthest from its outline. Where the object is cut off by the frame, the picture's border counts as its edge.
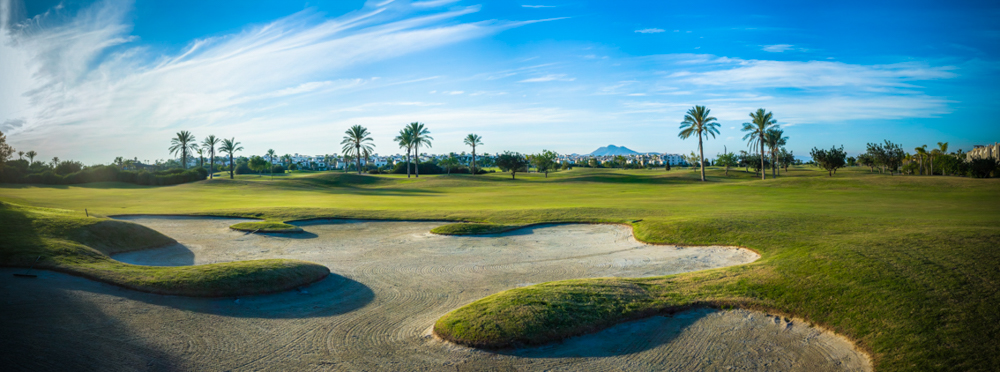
(332, 295)
(623, 339)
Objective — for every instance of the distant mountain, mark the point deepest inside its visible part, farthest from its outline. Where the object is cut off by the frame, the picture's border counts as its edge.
(613, 150)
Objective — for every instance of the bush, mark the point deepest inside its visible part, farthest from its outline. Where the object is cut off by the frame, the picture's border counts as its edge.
(425, 168)
(983, 168)
(278, 169)
(243, 168)
(108, 173)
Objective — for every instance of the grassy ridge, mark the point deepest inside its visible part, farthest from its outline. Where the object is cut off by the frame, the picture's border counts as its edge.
(69, 242)
(906, 266)
(265, 227)
(472, 229)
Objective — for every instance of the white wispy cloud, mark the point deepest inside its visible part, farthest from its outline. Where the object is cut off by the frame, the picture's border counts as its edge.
(538, 6)
(777, 48)
(650, 31)
(807, 74)
(549, 77)
(83, 76)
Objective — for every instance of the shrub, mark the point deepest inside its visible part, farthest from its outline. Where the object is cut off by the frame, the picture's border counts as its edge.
(425, 168)
(982, 168)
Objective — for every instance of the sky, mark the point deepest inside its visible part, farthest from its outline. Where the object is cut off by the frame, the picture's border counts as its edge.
(93, 80)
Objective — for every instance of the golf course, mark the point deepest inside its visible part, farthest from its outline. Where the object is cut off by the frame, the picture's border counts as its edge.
(903, 267)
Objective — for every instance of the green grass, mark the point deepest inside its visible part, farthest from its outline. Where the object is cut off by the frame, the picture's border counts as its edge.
(905, 266)
(69, 242)
(472, 229)
(265, 227)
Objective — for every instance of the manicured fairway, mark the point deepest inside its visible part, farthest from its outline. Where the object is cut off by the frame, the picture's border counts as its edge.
(905, 266)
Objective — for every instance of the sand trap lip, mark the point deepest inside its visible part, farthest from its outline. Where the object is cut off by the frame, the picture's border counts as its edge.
(406, 279)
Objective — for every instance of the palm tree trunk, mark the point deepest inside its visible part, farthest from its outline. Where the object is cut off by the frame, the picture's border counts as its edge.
(408, 163)
(358, 161)
(763, 171)
(231, 168)
(416, 154)
(701, 158)
(473, 160)
(211, 166)
(931, 158)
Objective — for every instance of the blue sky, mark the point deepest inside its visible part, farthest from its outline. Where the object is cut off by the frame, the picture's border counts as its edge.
(94, 80)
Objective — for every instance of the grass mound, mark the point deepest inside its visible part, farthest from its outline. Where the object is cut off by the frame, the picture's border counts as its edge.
(69, 242)
(265, 227)
(472, 229)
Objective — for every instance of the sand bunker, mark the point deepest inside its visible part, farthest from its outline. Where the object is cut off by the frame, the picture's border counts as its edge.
(394, 279)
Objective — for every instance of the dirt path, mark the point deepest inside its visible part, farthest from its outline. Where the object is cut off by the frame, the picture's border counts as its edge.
(394, 280)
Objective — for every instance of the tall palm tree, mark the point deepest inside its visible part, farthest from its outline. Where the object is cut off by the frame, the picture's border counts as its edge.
(201, 155)
(760, 122)
(421, 136)
(181, 145)
(270, 161)
(774, 140)
(287, 160)
(405, 141)
(20, 155)
(209, 144)
(358, 143)
(230, 146)
(941, 150)
(473, 140)
(31, 154)
(921, 153)
(698, 122)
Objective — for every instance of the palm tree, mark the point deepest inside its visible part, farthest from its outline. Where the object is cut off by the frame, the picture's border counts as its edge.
(270, 161)
(55, 161)
(209, 144)
(921, 152)
(358, 143)
(774, 140)
(405, 141)
(421, 136)
(20, 155)
(230, 146)
(941, 150)
(473, 140)
(31, 154)
(201, 155)
(760, 122)
(698, 122)
(287, 160)
(181, 145)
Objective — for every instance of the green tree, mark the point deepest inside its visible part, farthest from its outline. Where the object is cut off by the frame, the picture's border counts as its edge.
(450, 162)
(473, 140)
(727, 159)
(6, 151)
(786, 158)
(867, 160)
(760, 122)
(358, 143)
(31, 154)
(940, 151)
(258, 164)
(829, 160)
(774, 140)
(209, 144)
(511, 161)
(405, 141)
(698, 122)
(182, 144)
(544, 161)
(421, 136)
(230, 146)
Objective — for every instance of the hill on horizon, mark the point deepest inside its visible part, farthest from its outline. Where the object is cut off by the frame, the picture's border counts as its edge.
(613, 150)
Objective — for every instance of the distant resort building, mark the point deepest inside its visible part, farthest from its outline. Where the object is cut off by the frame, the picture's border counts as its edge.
(984, 152)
